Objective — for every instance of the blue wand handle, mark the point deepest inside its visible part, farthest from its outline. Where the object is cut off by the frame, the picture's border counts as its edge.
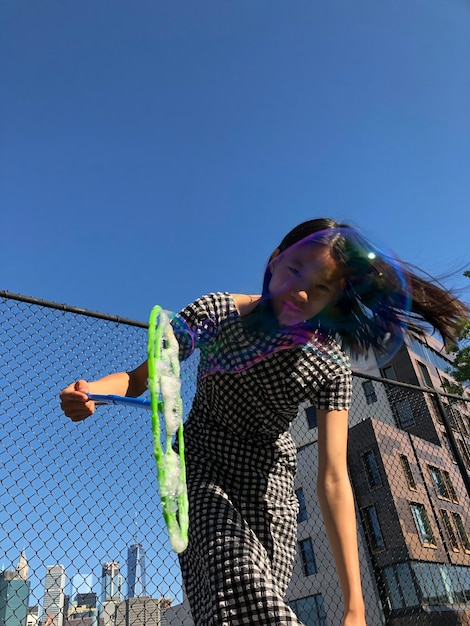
(110, 399)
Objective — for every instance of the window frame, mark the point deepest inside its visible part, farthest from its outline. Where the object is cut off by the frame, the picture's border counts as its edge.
(302, 515)
(370, 471)
(309, 565)
(376, 541)
(428, 540)
(408, 472)
(311, 415)
(369, 391)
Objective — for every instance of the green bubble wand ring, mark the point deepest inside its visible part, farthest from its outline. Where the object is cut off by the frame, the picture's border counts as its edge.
(166, 403)
(167, 408)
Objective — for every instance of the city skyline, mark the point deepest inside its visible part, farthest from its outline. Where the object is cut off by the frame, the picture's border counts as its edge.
(81, 583)
(83, 607)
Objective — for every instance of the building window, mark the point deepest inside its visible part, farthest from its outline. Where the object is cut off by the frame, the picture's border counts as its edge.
(462, 531)
(434, 583)
(428, 354)
(424, 372)
(450, 486)
(463, 451)
(310, 610)
(372, 470)
(423, 524)
(302, 515)
(406, 418)
(442, 483)
(308, 557)
(410, 479)
(439, 482)
(373, 530)
(400, 586)
(449, 447)
(369, 392)
(454, 544)
(389, 373)
(436, 407)
(311, 414)
(456, 419)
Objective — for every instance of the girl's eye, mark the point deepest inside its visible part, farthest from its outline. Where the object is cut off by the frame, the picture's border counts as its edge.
(323, 288)
(295, 271)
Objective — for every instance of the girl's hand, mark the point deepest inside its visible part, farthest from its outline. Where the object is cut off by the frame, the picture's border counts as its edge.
(74, 401)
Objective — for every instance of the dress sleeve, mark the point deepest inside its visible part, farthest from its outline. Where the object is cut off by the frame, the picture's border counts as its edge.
(336, 395)
(198, 322)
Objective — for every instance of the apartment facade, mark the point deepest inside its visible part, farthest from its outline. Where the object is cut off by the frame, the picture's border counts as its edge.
(408, 459)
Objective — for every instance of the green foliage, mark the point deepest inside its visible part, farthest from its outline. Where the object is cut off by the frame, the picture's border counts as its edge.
(460, 370)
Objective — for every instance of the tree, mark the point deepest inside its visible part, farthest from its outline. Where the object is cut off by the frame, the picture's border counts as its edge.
(460, 369)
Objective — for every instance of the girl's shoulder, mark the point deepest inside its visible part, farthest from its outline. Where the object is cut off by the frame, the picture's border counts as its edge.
(326, 353)
(245, 303)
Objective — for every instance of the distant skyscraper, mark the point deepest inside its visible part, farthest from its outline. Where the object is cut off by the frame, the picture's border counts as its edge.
(54, 596)
(136, 585)
(22, 567)
(111, 582)
(14, 597)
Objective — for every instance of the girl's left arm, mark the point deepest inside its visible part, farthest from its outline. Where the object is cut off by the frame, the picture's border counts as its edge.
(337, 505)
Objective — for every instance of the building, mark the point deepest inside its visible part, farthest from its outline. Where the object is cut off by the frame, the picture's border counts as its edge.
(33, 616)
(14, 597)
(54, 604)
(107, 615)
(178, 614)
(411, 484)
(22, 568)
(111, 580)
(136, 574)
(409, 461)
(88, 599)
(83, 610)
(142, 612)
(111, 593)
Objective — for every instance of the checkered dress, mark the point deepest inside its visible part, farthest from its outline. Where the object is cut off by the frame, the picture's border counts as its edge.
(241, 461)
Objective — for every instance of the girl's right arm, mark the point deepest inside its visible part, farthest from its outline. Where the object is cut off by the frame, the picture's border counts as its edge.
(74, 400)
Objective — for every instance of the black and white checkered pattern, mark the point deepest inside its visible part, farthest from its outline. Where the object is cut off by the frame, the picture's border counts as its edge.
(241, 461)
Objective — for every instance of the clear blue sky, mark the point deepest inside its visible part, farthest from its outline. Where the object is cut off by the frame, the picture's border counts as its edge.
(152, 151)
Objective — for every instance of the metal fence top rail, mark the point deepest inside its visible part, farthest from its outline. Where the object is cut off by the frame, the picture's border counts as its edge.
(71, 309)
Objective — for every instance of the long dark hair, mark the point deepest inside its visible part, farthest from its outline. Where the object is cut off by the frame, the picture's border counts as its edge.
(382, 296)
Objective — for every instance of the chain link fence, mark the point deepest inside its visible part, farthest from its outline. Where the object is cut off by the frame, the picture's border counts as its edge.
(83, 541)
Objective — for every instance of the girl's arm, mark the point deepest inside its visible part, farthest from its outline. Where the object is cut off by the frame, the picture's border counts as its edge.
(75, 403)
(337, 505)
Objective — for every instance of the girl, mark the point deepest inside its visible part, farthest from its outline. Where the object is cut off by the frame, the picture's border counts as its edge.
(260, 357)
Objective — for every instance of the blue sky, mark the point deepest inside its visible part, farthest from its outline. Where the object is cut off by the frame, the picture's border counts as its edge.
(153, 151)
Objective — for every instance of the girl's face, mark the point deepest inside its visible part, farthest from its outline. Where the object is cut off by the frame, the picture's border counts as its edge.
(304, 280)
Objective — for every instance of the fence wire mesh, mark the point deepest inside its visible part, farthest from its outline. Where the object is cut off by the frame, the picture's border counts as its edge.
(83, 540)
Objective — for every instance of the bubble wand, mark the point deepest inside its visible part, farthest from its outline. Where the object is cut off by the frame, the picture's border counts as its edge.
(165, 400)
(166, 407)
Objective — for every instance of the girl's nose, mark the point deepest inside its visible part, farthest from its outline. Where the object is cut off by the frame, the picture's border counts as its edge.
(300, 296)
